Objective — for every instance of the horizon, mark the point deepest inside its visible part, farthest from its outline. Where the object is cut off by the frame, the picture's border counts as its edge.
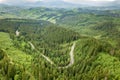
(54, 2)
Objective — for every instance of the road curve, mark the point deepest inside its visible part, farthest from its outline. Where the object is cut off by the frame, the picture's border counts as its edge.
(51, 62)
(71, 57)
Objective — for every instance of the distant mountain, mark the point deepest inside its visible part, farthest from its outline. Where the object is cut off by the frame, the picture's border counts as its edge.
(10, 9)
(56, 4)
(62, 4)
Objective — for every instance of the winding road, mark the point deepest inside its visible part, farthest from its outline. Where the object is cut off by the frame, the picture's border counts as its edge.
(51, 62)
(71, 57)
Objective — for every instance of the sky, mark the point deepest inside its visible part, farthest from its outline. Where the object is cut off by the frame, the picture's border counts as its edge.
(92, 2)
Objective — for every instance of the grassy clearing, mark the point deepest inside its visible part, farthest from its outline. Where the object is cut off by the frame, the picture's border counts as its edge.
(15, 54)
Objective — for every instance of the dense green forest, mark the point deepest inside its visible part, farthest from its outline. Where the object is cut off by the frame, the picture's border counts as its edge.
(59, 44)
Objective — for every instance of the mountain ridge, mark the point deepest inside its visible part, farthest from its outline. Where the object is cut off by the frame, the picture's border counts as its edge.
(63, 4)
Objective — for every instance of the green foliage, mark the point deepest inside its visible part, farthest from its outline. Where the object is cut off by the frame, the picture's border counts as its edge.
(1, 54)
(96, 58)
(87, 54)
(59, 35)
(111, 63)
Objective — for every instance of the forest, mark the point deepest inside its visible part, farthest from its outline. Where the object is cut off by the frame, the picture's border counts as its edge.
(59, 44)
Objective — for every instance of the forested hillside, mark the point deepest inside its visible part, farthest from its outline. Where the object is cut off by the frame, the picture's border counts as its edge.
(59, 44)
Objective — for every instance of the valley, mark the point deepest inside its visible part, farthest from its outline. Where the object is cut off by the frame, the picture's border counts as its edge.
(39, 43)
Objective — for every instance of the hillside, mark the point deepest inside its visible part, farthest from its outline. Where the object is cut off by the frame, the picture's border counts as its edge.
(59, 44)
(81, 20)
(54, 15)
